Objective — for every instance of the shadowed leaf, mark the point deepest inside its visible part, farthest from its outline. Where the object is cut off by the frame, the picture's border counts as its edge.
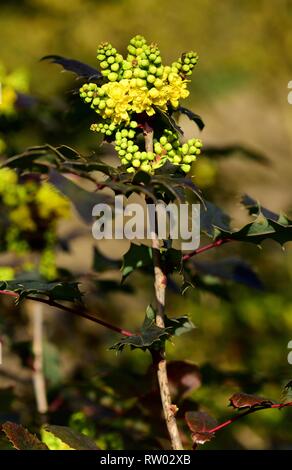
(21, 438)
(66, 291)
(200, 424)
(230, 269)
(83, 200)
(244, 400)
(75, 66)
(254, 208)
(149, 335)
(178, 326)
(102, 263)
(287, 393)
(211, 217)
(192, 116)
(137, 257)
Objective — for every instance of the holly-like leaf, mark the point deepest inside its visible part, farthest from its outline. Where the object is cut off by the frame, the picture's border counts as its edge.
(259, 230)
(168, 120)
(230, 269)
(287, 392)
(174, 185)
(200, 424)
(254, 208)
(211, 217)
(21, 438)
(66, 291)
(178, 326)
(137, 257)
(83, 200)
(64, 438)
(192, 116)
(244, 400)
(205, 283)
(149, 336)
(79, 68)
(102, 263)
(184, 377)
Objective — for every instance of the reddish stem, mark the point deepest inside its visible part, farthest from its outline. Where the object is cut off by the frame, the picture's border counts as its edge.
(79, 313)
(245, 413)
(214, 244)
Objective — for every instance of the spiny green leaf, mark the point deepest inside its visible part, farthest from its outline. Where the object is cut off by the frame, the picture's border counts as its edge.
(102, 263)
(149, 336)
(212, 216)
(287, 392)
(259, 230)
(137, 257)
(254, 208)
(21, 438)
(66, 291)
(83, 200)
(71, 438)
(229, 269)
(178, 326)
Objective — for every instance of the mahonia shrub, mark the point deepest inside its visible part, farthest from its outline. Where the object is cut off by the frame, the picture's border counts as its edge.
(136, 100)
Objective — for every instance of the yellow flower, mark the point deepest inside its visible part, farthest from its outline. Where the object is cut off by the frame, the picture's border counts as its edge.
(6, 273)
(51, 203)
(21, 217)
(8, 178)
(9, 98)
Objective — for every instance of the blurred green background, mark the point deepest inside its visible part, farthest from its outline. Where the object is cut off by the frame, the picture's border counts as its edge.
(240, 89)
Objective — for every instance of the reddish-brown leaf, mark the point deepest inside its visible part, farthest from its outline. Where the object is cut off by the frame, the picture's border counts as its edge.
(200, 424)
(244, 400)
(21, 438)
(183, 377)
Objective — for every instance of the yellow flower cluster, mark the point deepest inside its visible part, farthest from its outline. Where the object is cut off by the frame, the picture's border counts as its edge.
(128, 96)
(51, 203)
(17, 81)
(30, 210)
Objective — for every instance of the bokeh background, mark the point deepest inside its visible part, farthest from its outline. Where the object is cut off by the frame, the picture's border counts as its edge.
(240, 88)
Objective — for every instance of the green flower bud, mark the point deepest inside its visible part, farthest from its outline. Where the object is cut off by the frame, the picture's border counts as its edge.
(112, 76)
(176, 159)
(136, 163)
(115, 67)
(187, 159)
(151, 79)
(185, 168)
(131, 170)
(128, 74)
